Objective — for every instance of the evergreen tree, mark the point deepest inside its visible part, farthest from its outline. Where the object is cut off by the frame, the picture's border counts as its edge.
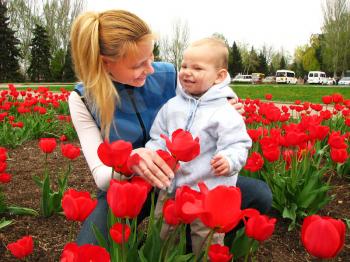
(235, 62)
(283, 64)
(156, 52)
(9, 51)
(263, 67)
(39, 69)
(68, 74)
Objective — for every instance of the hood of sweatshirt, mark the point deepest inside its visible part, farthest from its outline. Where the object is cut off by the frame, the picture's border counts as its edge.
(221, 90)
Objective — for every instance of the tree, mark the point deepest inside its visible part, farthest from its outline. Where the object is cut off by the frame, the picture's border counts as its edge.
(252, 62)
(235, 61)
(9, 51)
(55, 15)
(39, 69)
(24, 14)
(262, 67)
(68, 74)
(172, 48)
(309, 61)
(336, 32)
(156, 52)
(283, 64)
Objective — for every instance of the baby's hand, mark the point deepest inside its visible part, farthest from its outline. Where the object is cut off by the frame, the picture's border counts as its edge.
(220, 165)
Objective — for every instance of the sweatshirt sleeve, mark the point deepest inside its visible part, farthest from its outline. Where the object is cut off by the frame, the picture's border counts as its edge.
(159, 127)
(90, 138)
(233, 140)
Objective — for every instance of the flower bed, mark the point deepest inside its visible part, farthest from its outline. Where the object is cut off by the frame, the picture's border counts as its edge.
(297, 156)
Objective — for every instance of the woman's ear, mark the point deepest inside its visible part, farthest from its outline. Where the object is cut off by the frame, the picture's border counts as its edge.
(222, 74)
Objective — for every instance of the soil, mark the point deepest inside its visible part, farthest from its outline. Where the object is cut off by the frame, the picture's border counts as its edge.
(51, 234)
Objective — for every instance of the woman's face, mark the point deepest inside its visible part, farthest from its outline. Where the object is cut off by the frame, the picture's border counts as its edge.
(133, 68)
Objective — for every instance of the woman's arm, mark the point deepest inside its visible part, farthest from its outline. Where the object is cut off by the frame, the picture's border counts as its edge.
(90, 138)
(151, 167)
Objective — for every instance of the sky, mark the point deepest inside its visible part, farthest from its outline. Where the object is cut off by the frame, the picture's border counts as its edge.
(281, 24)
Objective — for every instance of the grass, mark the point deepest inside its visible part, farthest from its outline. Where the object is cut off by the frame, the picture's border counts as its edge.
(290, 93)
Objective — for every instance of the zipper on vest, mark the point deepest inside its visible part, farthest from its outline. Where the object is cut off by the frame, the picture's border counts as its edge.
(131, 96)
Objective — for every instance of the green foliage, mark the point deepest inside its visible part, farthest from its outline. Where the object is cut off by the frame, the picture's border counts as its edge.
(235, 61)
(50, 202)
(262, 67)
(9, 51)
(289, 93)
(39, 69)
(57, 64)
(156, 52)
(310, 61)
(68, 74)
(283, 63)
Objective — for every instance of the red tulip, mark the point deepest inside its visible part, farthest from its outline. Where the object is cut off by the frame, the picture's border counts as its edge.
(77, 205)
(336, 140)
(47, 145)
(169, 213)
(268, 96)
(185, 195)
(339, 155)
(168, 158)
(115, 154)
(22, 247)
(183, 147)
(327, 99)
(126, 198)
(3, 166)
(5, 178)
(219, 253)
(74, 253)
(141, 182)
(70, 253)
(337, 98)
(116, 232)
(260, 227)
(70, 151)
(254, 163)
(271, 153)
(220, 208)
(63, 138)
(323, 237)
(3, 154)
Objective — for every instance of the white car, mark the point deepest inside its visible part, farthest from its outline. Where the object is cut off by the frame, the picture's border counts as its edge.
(242, 79)
(344, 81)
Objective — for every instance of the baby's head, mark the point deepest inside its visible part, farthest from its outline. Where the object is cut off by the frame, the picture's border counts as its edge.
(204, 64)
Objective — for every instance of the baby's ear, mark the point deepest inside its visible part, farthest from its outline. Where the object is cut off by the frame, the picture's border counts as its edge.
(222, 74)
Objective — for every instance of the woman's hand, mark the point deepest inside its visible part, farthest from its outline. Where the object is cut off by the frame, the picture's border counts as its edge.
(153, 168)
(237, 105)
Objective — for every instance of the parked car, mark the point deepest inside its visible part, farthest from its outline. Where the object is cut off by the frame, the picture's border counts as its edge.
(344, 81)
(247, 79)
(257, 78)
(331, 81)
(285, 77)
(269, 80)
(317, 77)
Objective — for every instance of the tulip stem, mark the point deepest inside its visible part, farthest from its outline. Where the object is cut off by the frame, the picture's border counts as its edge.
(123, 222)
(251, 241)
(112, 173)
(210, 238)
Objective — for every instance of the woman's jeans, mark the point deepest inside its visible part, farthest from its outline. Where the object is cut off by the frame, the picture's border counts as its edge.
(255, 194)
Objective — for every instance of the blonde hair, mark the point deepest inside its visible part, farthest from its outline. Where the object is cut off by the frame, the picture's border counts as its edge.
(220, 50)
(113, 33)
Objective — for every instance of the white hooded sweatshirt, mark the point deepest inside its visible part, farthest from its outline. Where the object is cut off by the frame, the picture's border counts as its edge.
(220, 128)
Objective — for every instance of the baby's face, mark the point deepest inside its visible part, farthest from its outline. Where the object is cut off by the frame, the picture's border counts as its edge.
(198, 71)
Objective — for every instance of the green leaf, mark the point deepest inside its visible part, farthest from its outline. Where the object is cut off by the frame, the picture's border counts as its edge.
(38, 181)
(142, 255)
(290, 212)
(15, 210)
(5, 223)
(46, 209)
(99, 237)
(241, 244)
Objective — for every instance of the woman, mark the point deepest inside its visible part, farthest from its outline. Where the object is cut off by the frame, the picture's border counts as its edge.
(120, 95)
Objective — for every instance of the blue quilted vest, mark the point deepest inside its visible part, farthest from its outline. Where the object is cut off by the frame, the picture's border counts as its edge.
(139, 106)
